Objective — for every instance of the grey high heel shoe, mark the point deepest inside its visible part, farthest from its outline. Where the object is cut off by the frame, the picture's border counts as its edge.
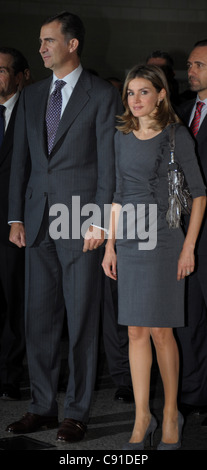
(164, 446)
(149, 432)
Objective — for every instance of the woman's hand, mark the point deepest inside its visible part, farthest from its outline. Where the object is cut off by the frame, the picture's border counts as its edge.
(109, 263)
(186, 263)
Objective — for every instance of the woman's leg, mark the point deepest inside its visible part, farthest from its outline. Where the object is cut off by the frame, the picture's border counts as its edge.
(168, 361)
(140, 358)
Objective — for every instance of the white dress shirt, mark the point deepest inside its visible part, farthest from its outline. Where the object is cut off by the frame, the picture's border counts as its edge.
(71, 80)
(9, 105)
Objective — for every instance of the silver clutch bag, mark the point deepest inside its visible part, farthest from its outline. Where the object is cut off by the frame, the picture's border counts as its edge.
(179, 197)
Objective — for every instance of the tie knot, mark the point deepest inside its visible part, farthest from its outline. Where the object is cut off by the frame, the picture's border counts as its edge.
(199, 106)
(59, 84)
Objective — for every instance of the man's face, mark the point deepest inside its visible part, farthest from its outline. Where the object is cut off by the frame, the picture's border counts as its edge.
(197, 71)
(54, 49)
(8, 81)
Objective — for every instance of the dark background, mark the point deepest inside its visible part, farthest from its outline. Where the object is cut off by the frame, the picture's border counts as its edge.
(120, 33)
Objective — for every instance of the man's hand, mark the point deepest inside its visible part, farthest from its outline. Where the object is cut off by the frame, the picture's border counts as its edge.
(17, 234)
(94, 238)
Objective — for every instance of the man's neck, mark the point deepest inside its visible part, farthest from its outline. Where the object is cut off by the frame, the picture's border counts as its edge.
(4, 99)
(68, 68)
(202, 95)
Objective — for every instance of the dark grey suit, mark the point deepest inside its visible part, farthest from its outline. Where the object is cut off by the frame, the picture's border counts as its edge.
(58, 273)
(12, 338)
(193, 338)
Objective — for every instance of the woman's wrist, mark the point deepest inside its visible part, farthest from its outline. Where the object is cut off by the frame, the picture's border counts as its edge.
(110, 245)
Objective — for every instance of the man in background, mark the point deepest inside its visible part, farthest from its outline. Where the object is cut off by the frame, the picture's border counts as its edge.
(165, 61)
(193, 338)
(12, 336)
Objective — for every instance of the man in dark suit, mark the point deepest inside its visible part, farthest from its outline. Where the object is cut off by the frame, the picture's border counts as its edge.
(165, 61)
(73, 176)
(193, 338)
(12, 338)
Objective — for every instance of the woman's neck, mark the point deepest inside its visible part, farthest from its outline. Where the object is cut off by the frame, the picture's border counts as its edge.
(145, 132)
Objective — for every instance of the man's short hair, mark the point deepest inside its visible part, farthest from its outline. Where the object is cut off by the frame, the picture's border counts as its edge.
(72, 27)
(201, 43)
(19, 61)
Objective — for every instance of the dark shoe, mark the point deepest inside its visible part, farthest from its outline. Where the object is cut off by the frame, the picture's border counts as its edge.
(125, 394)
(187, 410)
(149, 432)
(10, 392)
(32, 422)
(71, 430)
(164, 446)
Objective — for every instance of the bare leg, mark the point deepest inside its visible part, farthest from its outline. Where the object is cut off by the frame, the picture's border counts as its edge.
(140, 358)
(168, 361)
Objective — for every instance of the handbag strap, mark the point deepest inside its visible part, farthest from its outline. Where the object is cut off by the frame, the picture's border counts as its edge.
(172, 143)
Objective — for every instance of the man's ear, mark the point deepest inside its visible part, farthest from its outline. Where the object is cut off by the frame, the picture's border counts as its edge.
(73, 44)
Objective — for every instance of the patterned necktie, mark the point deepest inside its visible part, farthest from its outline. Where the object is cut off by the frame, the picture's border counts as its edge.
(196, 120)
(53, 113)
(2, 124)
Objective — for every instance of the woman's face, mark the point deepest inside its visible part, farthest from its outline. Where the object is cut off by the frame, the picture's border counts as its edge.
(143, 98)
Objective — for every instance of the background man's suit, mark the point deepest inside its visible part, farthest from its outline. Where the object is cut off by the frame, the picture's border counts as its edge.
(81, 164)
(12, 338)
(193, 338)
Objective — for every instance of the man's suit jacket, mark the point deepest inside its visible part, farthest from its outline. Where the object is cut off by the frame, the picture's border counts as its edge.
(5, 167)
(193, 339)
(184, 113)
(82, 159)
(12, 338)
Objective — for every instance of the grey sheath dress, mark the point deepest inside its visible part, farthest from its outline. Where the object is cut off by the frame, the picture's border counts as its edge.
(147, 250)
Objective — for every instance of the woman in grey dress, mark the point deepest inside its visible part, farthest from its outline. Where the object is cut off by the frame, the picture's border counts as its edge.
(151, 260)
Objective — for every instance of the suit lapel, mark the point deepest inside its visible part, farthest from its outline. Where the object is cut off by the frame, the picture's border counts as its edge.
(186, 113)
(8, 138)
(76, 103)
(40, 111)
(201, 135)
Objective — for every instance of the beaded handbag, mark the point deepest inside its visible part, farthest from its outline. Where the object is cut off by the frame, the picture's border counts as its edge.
(180, 199)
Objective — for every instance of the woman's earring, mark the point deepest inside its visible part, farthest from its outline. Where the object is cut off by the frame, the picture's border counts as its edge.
(159, 103)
